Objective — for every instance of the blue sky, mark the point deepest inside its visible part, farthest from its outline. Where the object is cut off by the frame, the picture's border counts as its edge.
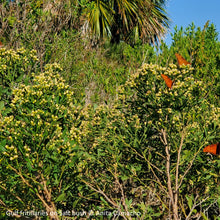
(184, 12)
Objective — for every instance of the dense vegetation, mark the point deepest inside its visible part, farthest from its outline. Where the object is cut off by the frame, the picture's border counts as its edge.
(89, 129)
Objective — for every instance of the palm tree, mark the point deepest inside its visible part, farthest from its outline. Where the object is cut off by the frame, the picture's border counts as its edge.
(127, 20)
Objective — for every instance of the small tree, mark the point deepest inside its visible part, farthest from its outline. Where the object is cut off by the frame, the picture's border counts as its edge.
(127, 20)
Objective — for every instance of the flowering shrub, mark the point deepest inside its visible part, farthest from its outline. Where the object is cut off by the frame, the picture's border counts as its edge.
(201, 48)
(37, 147)
(181, 121)
(136, 156)
(171, 107)
(110, 166)
(16, 64)
(145, 152)
(141, 156)
(15, 67)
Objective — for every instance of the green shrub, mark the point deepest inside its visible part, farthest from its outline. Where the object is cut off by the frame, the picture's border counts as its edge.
(38, 144)
(199, 47)
(141, 154)
(90, 71)
(145, 151)
(35, 23)
(15, 67)
(184, 119)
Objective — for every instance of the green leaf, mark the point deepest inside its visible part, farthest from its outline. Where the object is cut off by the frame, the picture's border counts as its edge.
(104, 201)
(75, 203)
(61, 197)
(143, 206)
(124, 178)
(29, 166)
(2, 145)
(1, 105)
(190, 201)
(204, 216)
(157, 214)
(128, 202)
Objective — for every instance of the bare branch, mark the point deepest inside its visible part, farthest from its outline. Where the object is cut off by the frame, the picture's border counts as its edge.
(122, 191)
(169, 183)
(187, 170)
(48, 208)
(11, 194)
(177, 170)
(98, 190)
(195, 205)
